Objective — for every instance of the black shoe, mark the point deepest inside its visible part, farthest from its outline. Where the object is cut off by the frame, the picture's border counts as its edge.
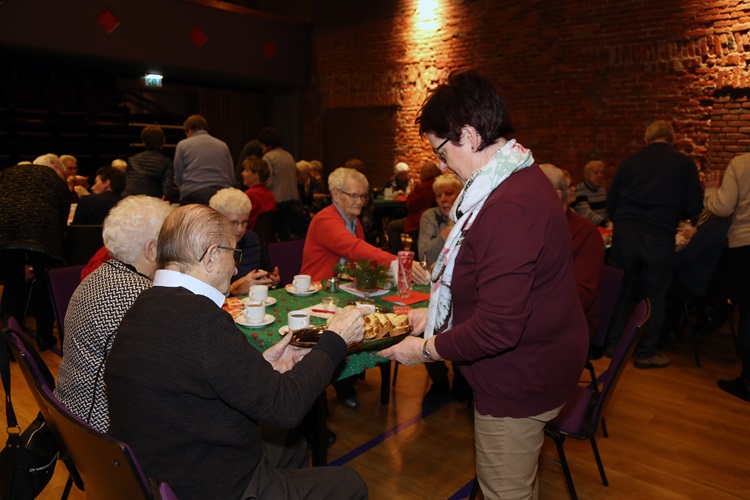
(346, 394)
(438, 394)
(736, 387)
(45, 342)
(330, 438)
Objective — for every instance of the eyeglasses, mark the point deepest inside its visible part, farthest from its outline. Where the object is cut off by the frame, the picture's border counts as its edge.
(355, 197)
(439, 153)
(237, 253)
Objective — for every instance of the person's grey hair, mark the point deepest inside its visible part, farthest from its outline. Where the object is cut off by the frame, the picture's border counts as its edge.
(340, 175)
(230, 201)
(447, 180)
(592, 165)
(400, 167)
(65, 158)
(131, 224)
(660, 130)
(188, 232)
(557, 178)
(52, 161)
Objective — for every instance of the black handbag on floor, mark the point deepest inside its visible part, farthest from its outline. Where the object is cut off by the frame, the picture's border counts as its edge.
(28, 460)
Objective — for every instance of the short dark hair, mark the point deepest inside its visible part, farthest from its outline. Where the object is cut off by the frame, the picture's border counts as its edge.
(270, 137)
(115, 177)
(259, 166)
(153, 137)
(466, 98)
(195, 122)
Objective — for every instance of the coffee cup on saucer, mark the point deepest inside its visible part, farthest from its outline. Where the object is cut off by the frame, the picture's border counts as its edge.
(255, 312)
(259, 293)
(298, 319)
(302, 282)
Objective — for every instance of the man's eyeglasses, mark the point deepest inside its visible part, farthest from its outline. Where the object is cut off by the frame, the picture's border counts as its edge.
(237, 253)
(356, 197)
(439, 153)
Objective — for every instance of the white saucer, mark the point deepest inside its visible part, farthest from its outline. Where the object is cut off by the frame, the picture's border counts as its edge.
(314, 288)
(242, 320)
(269, 301)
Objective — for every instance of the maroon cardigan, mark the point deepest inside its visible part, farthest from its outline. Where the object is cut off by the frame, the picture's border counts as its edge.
(518, 323)
(588, 263)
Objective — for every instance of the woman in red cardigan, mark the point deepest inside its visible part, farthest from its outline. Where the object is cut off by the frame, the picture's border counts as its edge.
(335, 232)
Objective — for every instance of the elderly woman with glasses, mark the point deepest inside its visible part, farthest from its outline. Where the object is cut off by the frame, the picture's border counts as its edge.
(503, 301)
(235, 206)
(335, 232)
(101, 300)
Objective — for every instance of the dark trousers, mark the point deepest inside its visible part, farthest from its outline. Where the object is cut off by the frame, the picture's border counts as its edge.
(15, 288)
(201, 196)
(283, 473)
(739, 291)
(648, 261)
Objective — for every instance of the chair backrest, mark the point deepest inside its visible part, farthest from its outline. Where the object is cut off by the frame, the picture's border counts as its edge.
(610, 287)
(623, 352)
(264, 227)
(288, 256)
(63, 281)
(82, 242)
(107, 466)
(166, 493)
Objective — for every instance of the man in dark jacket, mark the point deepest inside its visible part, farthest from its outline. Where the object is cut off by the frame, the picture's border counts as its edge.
(150, 172)
(652, 191)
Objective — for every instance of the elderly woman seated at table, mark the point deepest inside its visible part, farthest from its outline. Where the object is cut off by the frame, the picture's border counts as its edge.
(235, 206)
(102, 299)
(335, 233)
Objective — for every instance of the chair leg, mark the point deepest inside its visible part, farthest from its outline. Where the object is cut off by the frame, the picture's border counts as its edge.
(28, 302)
(395, 374)
(559, 441)
(68, 486)
(604, 428)
(474, 488)
(694, 340)
(735, 338)
(599, 461)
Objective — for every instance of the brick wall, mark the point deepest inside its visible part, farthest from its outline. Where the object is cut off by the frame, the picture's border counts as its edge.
(583, 78)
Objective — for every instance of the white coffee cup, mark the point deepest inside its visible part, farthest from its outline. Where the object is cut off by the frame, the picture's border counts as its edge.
(255, 312)
(298, 319)
(259, 293)
(302, 282)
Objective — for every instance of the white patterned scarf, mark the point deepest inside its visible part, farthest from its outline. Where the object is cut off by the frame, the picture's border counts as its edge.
(510, 158)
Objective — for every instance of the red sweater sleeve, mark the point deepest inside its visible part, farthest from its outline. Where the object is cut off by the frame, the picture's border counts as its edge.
(99, 258)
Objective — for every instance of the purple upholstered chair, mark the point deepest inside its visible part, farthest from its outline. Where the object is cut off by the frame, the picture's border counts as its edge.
(99, 464)
(63, 281)
(288, 256)
(580, 416)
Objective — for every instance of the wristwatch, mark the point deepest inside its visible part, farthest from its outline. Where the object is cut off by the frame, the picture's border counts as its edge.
(426, 352)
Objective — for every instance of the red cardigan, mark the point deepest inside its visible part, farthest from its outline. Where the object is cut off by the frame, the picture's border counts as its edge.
(518, 325)
(262, 200)
(328, 240)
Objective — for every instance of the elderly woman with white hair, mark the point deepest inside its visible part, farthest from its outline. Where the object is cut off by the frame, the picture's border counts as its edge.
(236, 206)
(101, 300)
(400, 182)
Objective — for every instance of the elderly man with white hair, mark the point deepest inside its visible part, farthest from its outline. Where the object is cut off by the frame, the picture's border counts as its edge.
(102, 299)
(236, 206)
(34, 212)
(187, 390)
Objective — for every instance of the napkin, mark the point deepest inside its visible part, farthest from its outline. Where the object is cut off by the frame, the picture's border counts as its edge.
(412, 299)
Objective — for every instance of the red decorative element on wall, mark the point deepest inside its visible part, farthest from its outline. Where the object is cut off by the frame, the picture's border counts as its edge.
(107, 20)
(198, 36)
(270, 49)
